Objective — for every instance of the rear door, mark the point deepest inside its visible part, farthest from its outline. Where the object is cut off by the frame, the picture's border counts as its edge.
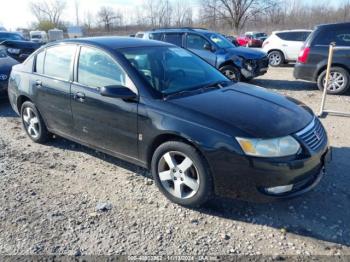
(292, 43)
(52, 81)
(103, 122)
(195, 43)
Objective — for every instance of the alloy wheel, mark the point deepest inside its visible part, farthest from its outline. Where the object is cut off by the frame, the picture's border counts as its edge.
(31, 122)
(178, 175)
(336, 81)
(275, 59)
(230, 74)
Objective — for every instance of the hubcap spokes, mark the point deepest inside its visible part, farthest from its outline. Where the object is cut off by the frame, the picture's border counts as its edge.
(336, 81)
(31, 122)
(230, 74)
(275, 59)
(178, 175)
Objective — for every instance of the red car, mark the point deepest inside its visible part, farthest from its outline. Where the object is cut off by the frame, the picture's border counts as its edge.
(252, 39)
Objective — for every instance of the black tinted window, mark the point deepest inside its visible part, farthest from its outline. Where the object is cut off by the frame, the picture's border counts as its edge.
(155, 36)
(39, 64)
(58, 61)
(341, 37)
(294, 36)
(175, 39)
(98, 69)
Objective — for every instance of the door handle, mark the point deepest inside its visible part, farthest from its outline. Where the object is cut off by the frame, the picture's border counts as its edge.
(79, 96)
(38, 83)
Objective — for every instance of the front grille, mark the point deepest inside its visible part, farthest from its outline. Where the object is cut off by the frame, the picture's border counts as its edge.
(263, 63)
(314, 135)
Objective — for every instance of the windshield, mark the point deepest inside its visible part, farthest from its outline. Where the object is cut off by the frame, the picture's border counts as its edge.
(220, 41)
(171, 70)
(9, 36)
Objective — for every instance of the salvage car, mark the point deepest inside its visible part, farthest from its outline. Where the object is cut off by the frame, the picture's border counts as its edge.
(17, 46)
(313, 58)
(283, 46)
(6, 63)
(251, 39)
(161, 107)
(237, 63)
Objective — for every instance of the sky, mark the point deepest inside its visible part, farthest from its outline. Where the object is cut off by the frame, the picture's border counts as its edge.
(16, 13)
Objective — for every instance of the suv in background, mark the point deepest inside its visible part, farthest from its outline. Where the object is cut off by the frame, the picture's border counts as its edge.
(236, 63)
(284, 46)
(312, 61)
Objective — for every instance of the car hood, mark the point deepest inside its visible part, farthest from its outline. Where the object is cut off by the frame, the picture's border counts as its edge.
(247, 53)
(21, 44)
(245, 110)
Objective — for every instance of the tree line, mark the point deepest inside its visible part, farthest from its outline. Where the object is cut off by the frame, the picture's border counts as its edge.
(227, 16)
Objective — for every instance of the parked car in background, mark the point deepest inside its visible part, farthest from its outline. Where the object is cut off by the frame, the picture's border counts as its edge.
(38, 37)
(17, 46)
(6, 63)
(232, 39)
(237, 63)
(55, 35)
(161, 107)
(2, 29)
(251, 39)
(313, 57)
(284, 46)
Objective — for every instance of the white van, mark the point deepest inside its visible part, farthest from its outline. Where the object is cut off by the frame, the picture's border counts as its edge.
(38, 37)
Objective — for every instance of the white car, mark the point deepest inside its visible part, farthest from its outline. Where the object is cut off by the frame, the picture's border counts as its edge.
(284, 46)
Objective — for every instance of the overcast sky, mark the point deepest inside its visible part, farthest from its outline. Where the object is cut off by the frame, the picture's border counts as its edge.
(16, 13)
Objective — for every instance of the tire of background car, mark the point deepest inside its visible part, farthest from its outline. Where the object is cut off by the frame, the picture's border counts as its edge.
(231, 72)
(339, 81)
(33, 123)
(182, 174)
(276, 58)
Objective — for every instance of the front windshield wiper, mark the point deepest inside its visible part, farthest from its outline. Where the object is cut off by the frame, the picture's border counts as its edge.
(217, 84)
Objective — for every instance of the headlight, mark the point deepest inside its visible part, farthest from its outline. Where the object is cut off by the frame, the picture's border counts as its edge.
(15, 51)
(277, 147)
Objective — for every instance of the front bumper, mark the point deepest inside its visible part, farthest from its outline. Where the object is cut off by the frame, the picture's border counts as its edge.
(257, 68)
(248, 178)
(3, 88)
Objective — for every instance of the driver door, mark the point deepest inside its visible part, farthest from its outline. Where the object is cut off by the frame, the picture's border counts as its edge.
(103, 122)
(195, 43)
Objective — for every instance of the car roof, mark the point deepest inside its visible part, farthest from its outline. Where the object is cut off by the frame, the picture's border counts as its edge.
(115, 42)
(164, 30)
(334, 25)
(293, 30)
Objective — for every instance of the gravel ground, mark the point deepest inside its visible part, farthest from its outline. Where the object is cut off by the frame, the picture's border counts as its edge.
(63, 198)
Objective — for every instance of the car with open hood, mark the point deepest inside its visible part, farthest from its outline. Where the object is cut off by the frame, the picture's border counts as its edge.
(163, 108)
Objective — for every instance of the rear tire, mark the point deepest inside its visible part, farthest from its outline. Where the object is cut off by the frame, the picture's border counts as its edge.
(276, 58)
(339, 81)
(231, 72)
(33, 123)
(181, 174)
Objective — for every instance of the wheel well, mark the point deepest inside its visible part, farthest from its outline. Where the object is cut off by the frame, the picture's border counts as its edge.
(231, 63)
(276, 50)
(161, 139)
(20, 100)
(333, 65)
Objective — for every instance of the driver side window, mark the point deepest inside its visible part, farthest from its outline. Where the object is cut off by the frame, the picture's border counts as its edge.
(98, 69)
(196, 42)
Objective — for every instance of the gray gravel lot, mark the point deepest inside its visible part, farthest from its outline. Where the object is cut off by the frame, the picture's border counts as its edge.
(49, 194)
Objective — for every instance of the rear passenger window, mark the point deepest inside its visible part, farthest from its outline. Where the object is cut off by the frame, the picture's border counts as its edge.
(341, 37)
(58, 61)
(294, 36)
(39, 64)
(175, 39)
(98, 69)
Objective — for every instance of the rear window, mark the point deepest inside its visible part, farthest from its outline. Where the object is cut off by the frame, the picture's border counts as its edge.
(175, 39)
(294, 36)
(155, 36)
(340, 36)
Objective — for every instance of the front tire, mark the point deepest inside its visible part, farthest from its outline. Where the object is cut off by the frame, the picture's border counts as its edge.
(33, 123)
(231, 72)
(339, 81)
(181, 174)
(276, 58)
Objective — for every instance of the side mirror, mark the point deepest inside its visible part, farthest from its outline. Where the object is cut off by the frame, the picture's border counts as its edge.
(208, 47)
(117, 91)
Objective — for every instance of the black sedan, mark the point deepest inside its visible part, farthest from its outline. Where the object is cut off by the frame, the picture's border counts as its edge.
(163, 108)
(6, 64)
